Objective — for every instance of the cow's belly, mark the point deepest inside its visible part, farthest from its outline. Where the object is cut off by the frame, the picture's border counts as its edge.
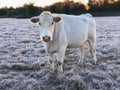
(75, 43)
(76, 39)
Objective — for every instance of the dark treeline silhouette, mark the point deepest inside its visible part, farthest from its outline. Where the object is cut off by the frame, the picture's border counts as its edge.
(99, 8)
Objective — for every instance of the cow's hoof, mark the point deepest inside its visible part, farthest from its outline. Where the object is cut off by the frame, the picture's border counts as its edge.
(52, 69)
(60, 70)
(93, 62)
(80, 62)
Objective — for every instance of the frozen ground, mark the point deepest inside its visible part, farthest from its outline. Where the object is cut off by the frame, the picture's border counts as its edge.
(24, 62)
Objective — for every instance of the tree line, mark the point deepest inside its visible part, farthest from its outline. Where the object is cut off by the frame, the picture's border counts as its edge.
(100, 8)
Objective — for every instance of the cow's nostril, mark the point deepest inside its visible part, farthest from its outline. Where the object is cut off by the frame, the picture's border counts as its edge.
(46, 38)
(43, 38)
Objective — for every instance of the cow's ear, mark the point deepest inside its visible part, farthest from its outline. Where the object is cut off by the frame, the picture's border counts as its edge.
(57, 19)
(34, 19)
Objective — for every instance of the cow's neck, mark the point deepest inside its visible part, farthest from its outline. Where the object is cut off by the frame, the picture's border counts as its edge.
(52, 46)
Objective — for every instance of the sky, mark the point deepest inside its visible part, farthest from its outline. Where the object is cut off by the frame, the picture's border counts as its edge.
(18, 3)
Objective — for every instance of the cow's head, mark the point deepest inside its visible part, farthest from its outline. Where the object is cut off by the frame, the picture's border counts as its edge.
(46, 25)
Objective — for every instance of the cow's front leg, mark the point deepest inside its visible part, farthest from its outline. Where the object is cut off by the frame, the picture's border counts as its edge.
(52, 67)
(60, 58)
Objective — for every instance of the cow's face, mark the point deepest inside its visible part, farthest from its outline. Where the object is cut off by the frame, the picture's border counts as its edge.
(46, 25)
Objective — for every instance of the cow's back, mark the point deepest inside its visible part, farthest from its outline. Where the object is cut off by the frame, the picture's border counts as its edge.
(77, 28)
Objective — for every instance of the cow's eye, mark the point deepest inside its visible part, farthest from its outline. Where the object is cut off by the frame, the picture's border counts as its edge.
(39, 23)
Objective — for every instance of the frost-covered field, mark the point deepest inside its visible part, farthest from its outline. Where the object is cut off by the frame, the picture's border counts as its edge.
(24, 62)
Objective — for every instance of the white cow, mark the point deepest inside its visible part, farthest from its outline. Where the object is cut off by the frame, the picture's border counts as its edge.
(61, 31)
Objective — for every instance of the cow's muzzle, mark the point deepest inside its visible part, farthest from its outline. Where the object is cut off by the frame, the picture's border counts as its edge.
(46, 38)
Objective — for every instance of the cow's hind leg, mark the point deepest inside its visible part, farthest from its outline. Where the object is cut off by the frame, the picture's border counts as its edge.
(92, 50)
(81, 54)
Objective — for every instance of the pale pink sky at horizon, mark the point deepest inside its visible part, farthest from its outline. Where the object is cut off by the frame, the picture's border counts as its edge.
(18, 3)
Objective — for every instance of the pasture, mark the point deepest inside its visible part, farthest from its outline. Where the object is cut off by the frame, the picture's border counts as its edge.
(24, 62)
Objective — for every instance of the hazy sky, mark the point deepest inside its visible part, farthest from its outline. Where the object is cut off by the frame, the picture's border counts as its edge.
(16, 3)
